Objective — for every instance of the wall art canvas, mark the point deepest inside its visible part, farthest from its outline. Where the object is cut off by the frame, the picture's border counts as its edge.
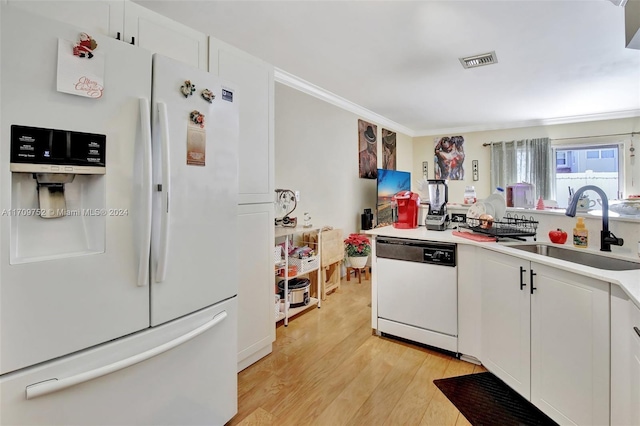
(449, 158)
(388, 150)
(368, 150)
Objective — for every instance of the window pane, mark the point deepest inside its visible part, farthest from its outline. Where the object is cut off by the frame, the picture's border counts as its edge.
(588, 165)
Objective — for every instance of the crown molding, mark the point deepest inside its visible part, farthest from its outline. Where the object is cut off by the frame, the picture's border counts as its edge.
(311, 89)
(531, 123)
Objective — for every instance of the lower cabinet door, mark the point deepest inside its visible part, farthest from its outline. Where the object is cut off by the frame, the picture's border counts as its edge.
(256, 307)
(570, 346)
(506, 320)
(635, 365)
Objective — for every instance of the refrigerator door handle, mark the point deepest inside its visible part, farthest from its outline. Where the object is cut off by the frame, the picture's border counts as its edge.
(161, 268)
(145, 239)
(55, 384)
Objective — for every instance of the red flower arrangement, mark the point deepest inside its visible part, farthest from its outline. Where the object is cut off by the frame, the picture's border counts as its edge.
(357, 245)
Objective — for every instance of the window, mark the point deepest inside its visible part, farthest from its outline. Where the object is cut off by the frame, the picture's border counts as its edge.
(591, 164)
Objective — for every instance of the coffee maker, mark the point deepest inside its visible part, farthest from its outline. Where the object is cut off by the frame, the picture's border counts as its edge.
(437, 218)
(405, 205)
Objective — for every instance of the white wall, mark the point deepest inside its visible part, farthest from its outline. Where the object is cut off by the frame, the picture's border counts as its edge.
(316, 152)
(423, 150)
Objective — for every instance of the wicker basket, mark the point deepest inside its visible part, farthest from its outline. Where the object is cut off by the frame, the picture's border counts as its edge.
(277, 254)
(305, 265)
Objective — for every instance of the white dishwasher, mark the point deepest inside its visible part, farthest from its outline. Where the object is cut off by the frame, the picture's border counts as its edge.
(418, 291)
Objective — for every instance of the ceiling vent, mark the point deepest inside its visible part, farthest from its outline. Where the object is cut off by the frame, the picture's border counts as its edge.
(479, 60)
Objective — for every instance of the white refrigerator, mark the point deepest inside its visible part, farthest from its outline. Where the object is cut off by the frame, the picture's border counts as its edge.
(121, 307)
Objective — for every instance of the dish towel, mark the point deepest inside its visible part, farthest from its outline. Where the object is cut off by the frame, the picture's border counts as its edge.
(474, 237)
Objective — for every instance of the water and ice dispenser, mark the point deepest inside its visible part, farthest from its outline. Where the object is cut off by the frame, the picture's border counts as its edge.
(57, 175)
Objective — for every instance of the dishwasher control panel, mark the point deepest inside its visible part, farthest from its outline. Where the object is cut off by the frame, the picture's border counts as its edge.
(446, 256)
(416, 251)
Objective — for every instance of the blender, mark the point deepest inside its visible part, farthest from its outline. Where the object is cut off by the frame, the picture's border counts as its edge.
(437, 217)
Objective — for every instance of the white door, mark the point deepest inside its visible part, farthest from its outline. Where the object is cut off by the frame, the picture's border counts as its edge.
(256, 148)
(505, 320)
(94, 17)
(181, 373)
(570, 346)
(194, 241)
(634, 332)
(256, 307)
(72, 281)
(418, 294)
(159, 34)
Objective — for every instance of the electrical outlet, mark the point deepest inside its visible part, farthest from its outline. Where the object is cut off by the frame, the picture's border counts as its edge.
(425, 168)
(458, 217)
(474, 168)
(297, 196)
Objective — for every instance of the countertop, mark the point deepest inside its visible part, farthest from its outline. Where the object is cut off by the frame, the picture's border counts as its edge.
(629, 281)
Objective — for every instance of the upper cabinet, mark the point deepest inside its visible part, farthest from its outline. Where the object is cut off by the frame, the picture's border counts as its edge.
(254, 79)
(130, 23)
(160, 34)
(94, 17)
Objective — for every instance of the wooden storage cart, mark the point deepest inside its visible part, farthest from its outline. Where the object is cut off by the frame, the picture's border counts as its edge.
(332, 254)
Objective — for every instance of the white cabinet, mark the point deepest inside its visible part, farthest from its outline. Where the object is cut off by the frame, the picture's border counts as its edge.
(254, 79)
(129, 22)
(94, 17)
(554, 326)
(256, 308)
(506, 320)
(625, 359)
(570, 346)
(159, 34)
(635, 365)
(469, 307)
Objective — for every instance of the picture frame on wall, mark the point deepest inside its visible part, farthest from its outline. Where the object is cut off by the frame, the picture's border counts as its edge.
(367, 150)
(389, 150)
(449, 158)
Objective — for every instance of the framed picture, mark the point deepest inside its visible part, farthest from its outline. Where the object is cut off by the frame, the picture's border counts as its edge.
(388, 150)
(368, 150)
(449, 158)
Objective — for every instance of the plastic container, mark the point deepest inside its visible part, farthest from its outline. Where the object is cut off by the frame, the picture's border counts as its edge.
(469, 195)
(580, 234)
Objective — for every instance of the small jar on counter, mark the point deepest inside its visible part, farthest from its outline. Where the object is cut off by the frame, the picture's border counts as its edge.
(469, 195)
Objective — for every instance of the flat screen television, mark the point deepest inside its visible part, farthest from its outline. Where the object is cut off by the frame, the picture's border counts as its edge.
(390, 182)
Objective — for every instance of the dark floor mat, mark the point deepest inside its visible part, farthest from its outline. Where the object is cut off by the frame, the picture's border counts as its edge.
(485, 400)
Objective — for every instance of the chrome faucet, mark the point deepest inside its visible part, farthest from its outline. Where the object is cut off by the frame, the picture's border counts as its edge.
(606, 238)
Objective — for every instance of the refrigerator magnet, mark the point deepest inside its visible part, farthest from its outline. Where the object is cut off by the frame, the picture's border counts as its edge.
(187, 88)
(208, 95)
(75, 74)
(196, 139)
(197, 118)
(85, 46)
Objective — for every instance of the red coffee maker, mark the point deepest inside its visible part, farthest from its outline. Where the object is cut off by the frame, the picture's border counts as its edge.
(406, 205)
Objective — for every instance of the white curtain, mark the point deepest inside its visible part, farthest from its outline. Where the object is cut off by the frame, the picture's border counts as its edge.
(528, 160)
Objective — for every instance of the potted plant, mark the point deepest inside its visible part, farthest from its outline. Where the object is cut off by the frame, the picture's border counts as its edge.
(357, 247)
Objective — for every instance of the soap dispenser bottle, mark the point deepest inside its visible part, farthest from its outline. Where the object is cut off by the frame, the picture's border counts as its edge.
(580, 234)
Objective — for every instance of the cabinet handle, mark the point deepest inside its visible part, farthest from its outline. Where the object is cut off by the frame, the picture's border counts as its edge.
(531, 275)
(637, 330)
(133, 40)
(118, 35)
(522, 283)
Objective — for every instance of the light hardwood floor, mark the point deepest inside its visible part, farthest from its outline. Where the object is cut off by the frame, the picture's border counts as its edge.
(327, 368)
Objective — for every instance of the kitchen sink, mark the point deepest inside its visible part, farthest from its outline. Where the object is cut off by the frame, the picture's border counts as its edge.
(588, 259)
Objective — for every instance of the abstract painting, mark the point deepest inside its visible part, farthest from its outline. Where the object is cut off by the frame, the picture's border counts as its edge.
(449, 158)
